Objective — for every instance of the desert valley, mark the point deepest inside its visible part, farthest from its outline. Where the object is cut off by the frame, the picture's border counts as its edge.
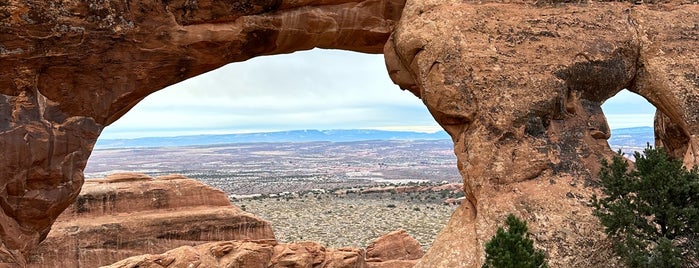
(339, 192)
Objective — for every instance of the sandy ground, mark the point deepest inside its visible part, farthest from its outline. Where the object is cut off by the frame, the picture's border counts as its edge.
(353, 219)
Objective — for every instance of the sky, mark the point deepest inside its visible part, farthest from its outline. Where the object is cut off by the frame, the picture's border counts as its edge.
(628, 109)
(316, 89)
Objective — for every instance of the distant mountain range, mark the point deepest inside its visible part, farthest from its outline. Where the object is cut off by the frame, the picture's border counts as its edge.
(343, 135)
(623, 137)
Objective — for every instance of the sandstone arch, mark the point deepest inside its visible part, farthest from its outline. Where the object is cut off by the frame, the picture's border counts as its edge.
(517, 86)
(72, 67)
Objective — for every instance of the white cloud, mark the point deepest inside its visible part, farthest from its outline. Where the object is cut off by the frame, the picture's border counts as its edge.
(627, 109)
(318, 89)
(630, 120)
(626, 102)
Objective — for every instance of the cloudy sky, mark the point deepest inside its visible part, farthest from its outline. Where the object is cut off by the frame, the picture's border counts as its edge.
(317, 89)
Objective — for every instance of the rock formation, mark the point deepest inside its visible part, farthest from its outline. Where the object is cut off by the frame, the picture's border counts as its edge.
(72, 67)
(517, 85)
(132, 214)
(250, 255)
(395, 250)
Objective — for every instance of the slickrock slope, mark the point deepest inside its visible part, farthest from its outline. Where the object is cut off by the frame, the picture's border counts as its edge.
(396, 250)
(131, 214)
(517, 85)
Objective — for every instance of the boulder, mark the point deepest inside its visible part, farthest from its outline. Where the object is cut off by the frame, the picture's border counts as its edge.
(396, 245)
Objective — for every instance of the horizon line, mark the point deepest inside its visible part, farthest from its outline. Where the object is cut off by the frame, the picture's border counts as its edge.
(384, 129)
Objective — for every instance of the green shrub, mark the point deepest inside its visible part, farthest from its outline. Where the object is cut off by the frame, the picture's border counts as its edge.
(651, 213)
(512, 248)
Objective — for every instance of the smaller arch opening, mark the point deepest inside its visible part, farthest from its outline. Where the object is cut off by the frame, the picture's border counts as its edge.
(630, 118)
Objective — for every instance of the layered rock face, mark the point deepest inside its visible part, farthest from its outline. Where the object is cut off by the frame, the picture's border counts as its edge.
(517, 85)
(519, 88)
(131, 214)
(72, 67)
(395, 250)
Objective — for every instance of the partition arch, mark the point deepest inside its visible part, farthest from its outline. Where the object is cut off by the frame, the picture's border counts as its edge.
(517, 85)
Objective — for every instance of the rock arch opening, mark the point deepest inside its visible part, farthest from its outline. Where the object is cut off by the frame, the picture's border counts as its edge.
(630, 118)
(342, 193)
(80, 66)
(638, 123)
(672, 125)
(317, 89)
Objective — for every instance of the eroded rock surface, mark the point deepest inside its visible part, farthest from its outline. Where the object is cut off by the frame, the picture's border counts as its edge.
(132, 214)
(519, 88)
(71, 67)
(517, 85)
(396, 249)
(250, 255)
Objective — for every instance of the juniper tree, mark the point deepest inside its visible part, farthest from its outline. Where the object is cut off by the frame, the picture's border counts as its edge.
(512, 248)
(651, 213)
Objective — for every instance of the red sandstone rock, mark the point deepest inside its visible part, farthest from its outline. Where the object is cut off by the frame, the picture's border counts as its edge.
(393, 264)
(517, 85)
(72, 67)
(396, 249)
(453, 187)
(217, 254)
(133, 214)
(393, 250)
(250, 255)
(396, 245)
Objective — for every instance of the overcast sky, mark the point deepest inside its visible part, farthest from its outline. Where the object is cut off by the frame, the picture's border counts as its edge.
(317, 89)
